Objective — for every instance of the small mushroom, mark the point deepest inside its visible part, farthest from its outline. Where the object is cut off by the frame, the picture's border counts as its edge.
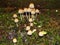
(29, 32)
(31, 24)
(42, 33)
(20, 11)
(27, 27)
(14, 40)
(34, 30)
(30, 20)
(16, 20)
(14, 15)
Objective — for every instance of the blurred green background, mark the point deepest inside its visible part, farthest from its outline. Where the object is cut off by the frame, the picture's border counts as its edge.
(25, 3)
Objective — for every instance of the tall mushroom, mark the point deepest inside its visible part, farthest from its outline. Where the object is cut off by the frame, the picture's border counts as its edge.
(25, 12)
(32, 14)
(37, 12)
(21, 11)
(29, 12)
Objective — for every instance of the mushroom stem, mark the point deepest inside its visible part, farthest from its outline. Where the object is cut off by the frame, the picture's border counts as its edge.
(36, 14)
(33, 17)
(26, 15)
(21, 16)
(29, 14)
(14, 43)
(16, 24)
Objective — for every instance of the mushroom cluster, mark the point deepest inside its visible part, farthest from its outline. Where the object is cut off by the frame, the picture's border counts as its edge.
(30, 13)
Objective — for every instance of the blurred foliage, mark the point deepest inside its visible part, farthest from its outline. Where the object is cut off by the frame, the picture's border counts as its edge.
(38, 3)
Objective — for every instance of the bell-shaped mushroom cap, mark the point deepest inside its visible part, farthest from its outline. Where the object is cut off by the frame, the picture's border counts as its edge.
(37, 11)
(33, 12)
(20, 11)
(25, 9)
(29, 10)
(14, 15)
(31, 5)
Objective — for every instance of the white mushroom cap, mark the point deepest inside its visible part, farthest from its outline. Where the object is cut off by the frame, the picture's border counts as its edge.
(30, 20)
(42, 33)
(14, 40)
(31, 5)
(56, 10)
(14, 15)
(25, 9)
(31, 24)
(29, 10)
(29, 32)
(20, 11)
(27, 28)
(33, 9)
(34, 30)
(16, 20)
(37, 11)
(32, 12)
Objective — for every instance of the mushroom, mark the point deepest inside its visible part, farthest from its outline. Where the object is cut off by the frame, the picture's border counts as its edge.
(14, 15)
(34, 30)
(29, 12)
(31, 5)
(30, 20)
(27, 28)
(31, 24)
(32, 14)
(42, 33)
(25, 12)
(14, 40)
(37, 12)
(16, 20)
(21, 11)
(29, 32)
